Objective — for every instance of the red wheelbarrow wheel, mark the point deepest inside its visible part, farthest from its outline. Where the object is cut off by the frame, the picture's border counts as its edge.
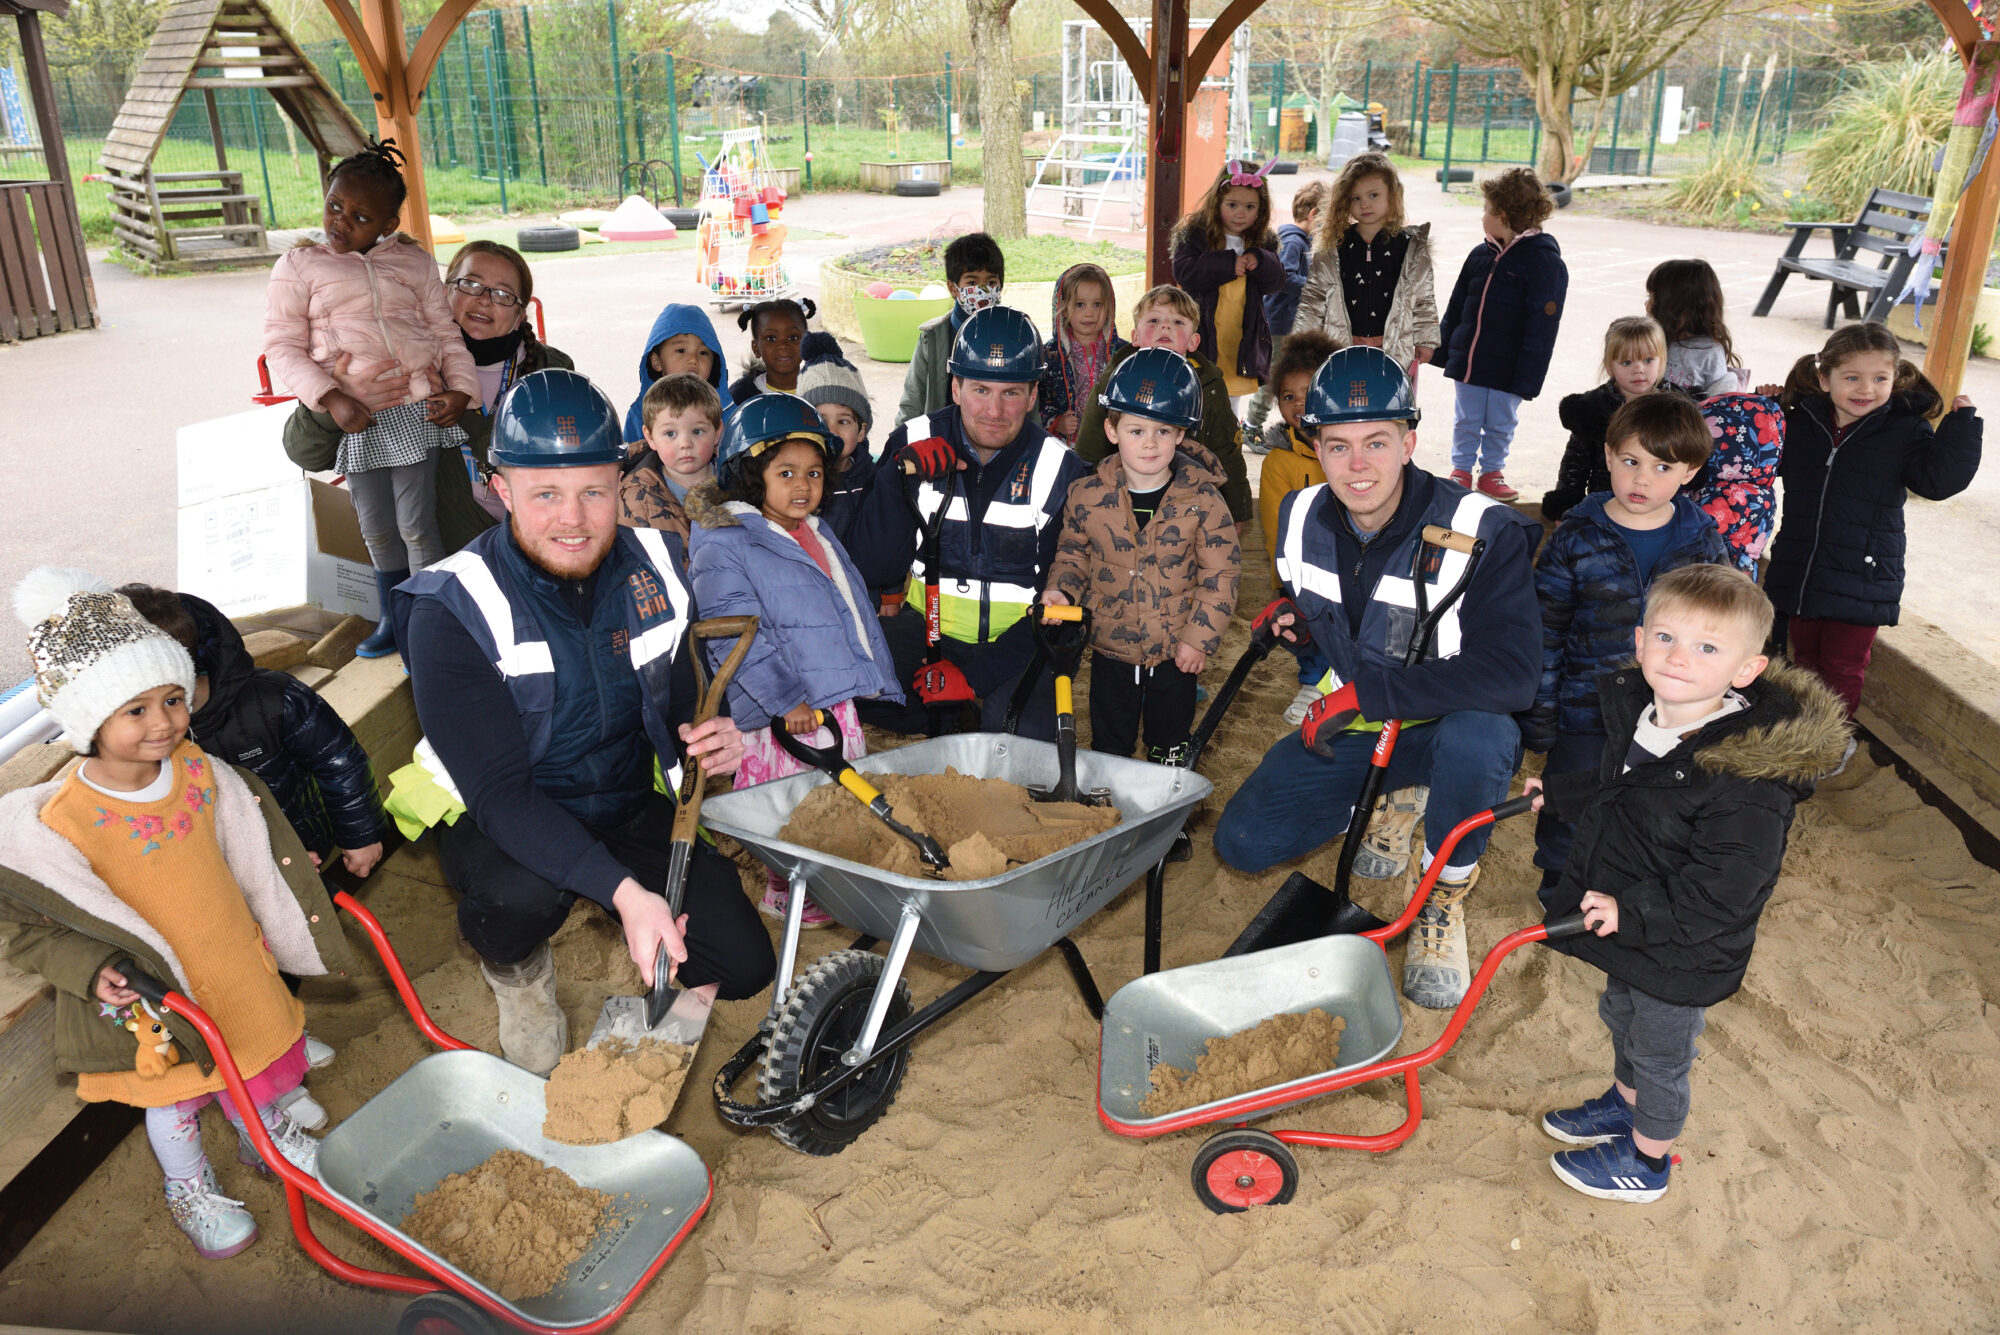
(444, 1313)
(1238, 1169)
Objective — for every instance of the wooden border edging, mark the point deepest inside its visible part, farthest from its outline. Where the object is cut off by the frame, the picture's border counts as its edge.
(1942, 701)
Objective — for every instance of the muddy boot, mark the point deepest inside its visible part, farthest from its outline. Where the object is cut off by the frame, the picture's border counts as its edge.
(1436, 967)
(534, 1032)
(1385, 849)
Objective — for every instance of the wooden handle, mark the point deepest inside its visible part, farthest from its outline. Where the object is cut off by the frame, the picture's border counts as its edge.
(1439, 536)
(714, 628)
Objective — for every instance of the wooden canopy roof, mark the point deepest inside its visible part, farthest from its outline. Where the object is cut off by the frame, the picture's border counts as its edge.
(215, 35)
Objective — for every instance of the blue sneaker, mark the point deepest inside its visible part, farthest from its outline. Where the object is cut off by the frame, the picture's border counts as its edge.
(1603, 1118)
(1612, 1172)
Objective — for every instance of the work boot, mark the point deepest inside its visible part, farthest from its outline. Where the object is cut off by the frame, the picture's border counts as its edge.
(1385, 849)
(1436, 969)
(217, 1226)
(534, 1032)
(381, 642)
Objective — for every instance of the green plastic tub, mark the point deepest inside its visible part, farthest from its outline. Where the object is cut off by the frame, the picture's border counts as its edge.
(889, 328)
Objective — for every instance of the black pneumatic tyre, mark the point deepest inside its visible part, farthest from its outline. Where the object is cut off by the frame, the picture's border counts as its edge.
(1560, 194)
(544, 239)
(443, 1313)
(1282, 168)
(823, 1016)
(919, 189)
(1239, 1169)
(683, 219)
(1458, 174)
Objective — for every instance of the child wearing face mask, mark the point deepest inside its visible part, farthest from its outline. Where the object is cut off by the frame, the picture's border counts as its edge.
(975, 270)
(1226, 258)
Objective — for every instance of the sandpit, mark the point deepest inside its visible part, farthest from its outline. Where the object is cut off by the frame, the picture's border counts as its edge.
(614, 1090)
(984, 825)
(1838, 1171)
(515, 1224)
(1271, 1052)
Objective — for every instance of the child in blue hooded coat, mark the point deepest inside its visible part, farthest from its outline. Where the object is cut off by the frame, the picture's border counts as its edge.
(683, 342)
(759, 549)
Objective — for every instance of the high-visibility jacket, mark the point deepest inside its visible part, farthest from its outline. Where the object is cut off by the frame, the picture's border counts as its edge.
(1000, 524)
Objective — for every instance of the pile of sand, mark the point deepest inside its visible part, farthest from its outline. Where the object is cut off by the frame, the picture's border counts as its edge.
(513, 1223)
(984, 825)
(1272, 1052)
(614, 1090)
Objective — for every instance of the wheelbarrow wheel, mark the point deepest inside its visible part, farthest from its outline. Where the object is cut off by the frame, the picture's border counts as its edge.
(1238, 1169)
(823, 1016)
(444, 1313)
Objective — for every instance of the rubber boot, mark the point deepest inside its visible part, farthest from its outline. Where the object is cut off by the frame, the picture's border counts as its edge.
(534, 1032)
(381, 642)
(1385, 849)
(1436, 967)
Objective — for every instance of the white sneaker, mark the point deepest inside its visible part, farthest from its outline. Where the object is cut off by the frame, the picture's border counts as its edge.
(318, 1054)
(1295, 712)
(293, 1143)
(302, 1108)
(217, 1226)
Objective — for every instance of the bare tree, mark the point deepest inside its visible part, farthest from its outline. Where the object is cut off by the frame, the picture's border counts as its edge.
(1314, 35)
(1003, 168)
(1601, 46)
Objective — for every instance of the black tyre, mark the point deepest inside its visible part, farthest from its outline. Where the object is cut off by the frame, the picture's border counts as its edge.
(1458, 174)
(1240, 1169)
(918, 189)
(823, 1016)
(1560, 194)
(443, 1313)
(1283, 169)
(683, 219)
(545, 239)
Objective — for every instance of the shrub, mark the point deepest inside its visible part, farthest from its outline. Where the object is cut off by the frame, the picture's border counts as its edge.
(1726, 185)
(1884, 130)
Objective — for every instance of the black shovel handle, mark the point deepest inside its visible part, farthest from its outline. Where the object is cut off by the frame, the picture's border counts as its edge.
(832, 762)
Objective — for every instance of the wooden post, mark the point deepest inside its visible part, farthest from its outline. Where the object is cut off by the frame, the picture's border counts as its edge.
(1169, 36)
(396, 108)
(1964, 264)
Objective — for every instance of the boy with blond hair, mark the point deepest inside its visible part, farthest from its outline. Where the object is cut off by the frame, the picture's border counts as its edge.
(1167, 317)
(1680, 833)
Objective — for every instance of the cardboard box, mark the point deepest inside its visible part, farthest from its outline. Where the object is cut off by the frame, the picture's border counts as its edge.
(255, 533)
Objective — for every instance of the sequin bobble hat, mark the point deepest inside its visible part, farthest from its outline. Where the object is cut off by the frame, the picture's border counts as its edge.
(92, 650)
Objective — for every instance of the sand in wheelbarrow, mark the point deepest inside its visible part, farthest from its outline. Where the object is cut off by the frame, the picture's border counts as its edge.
(985, 825)
(1271, 1052)
(614, 1090)
(513, 1223)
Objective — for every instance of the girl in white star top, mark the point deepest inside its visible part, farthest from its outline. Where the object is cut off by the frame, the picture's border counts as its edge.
(1371, 281)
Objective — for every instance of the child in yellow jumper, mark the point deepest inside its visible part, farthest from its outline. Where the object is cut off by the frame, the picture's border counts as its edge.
(153, 851)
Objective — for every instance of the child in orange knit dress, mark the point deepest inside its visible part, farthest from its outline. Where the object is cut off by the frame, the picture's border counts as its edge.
(151, 850)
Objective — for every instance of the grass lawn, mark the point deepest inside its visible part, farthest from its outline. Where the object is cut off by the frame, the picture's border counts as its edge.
(1034, 259)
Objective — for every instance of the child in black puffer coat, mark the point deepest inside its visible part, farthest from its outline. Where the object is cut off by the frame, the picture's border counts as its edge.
(1858, 438)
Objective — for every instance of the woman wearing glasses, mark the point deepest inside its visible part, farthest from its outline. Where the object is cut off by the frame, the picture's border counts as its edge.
(489, 286)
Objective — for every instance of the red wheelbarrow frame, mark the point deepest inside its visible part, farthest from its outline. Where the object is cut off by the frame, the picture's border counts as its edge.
(266, 395)
(299, 1186)
(1244, 1107)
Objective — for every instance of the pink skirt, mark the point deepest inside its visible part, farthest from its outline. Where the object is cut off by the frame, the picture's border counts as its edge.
(765, 760)
(280, 1077)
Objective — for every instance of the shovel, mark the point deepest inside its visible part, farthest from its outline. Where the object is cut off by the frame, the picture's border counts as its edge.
(1064, 657)
(667, 1013)
(829, 761)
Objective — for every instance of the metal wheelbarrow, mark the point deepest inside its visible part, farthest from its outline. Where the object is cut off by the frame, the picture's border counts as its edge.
(1170, 1017)
(448, 1114)
(835, 1042)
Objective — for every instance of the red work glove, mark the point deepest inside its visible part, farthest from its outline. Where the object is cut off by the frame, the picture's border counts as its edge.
(1328, 719)
(1265, 623)
(942, 684)
(930, 459)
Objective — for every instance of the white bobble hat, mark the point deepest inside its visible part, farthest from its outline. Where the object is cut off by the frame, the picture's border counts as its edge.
(92, 650)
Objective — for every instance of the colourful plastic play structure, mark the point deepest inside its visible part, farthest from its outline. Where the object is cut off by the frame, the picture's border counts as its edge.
(740, 243)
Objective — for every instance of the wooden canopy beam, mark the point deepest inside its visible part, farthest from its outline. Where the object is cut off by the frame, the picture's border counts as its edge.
(1137, 60)
(1964, 272)
(430, 45)
(1217, 35)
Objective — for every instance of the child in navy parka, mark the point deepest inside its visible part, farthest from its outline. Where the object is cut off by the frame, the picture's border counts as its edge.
(682, 342)
(1498, 330)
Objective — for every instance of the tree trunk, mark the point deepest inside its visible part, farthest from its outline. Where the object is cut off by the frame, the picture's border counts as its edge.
(999, 118)
(1557, 164)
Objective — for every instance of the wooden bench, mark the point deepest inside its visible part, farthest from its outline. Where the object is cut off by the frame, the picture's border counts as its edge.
(1888, 222)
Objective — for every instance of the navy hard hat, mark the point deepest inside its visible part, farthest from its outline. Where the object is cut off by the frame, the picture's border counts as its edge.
(1158, 384)
(555, 419)
(755, 425)
(998, 343)
(1359, 385)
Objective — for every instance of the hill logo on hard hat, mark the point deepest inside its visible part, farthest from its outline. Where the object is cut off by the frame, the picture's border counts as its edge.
(566, 430)
(1357, 393)
(1146, 392)
(996, 354)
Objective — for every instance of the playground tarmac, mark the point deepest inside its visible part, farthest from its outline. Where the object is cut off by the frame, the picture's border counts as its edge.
(88, 454)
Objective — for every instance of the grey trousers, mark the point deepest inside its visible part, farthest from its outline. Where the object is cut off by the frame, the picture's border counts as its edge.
(1652, 1046)
(398, 511)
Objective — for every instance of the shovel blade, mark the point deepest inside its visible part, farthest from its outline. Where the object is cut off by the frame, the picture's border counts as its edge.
(1302, 910)
(624, 1018)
